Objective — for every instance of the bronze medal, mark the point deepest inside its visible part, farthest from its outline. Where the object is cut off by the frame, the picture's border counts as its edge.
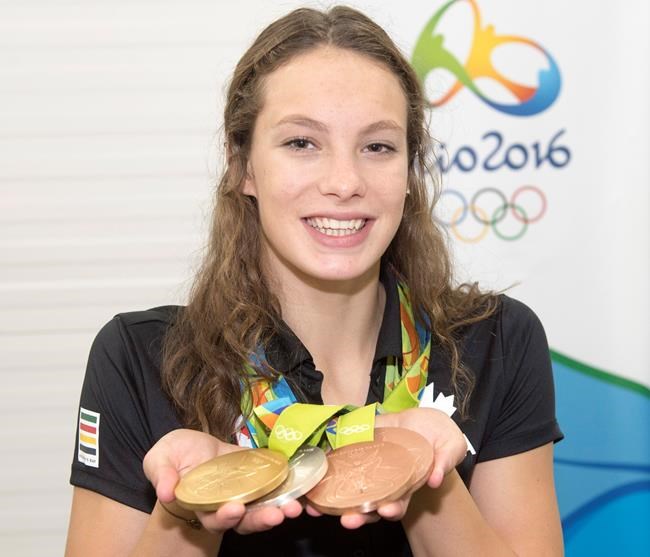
(241, 476)
(417, 446)
(306, 468)
(362, 476)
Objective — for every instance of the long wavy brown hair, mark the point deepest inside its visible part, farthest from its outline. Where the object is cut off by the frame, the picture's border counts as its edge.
(232, 309)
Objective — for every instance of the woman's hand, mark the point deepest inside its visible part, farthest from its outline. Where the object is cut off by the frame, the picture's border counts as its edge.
(449, 448)
(446, 438)
(180, 451)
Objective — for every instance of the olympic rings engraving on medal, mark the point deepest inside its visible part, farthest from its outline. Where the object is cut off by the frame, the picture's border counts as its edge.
(488, 217)
(286, 433)
(351, 429)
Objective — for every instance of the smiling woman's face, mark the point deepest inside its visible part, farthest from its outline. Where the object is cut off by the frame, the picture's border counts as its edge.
(329, 165)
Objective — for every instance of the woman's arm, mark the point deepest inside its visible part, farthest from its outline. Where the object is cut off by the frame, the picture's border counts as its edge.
(111, 528)
(101, 527)
(510, 509)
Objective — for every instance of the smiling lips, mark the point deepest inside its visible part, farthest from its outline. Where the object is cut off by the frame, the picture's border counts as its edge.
(334, 227)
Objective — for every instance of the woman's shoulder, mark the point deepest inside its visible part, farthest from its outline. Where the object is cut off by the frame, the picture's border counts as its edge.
(153, 320)
(125, 361)
(513, 309)
(509, 316)
(516, 319)
(134, 332)
(511, 332)
(161, 314)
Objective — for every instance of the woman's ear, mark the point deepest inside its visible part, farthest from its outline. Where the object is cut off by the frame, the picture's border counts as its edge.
(248, 185)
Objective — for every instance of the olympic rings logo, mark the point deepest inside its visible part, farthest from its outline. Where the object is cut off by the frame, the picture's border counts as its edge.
(285, 433)
(493, 216)
(352, 429)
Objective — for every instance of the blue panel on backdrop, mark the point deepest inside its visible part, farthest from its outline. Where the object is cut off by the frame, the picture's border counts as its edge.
(602, 467)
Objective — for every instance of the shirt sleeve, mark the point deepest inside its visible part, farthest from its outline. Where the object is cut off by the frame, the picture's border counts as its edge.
(526, 415)
(112, 433)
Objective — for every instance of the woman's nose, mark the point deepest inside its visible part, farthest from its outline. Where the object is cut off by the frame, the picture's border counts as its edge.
(343, 177)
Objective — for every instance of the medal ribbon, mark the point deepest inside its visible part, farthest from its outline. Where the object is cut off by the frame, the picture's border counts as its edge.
(279, 422)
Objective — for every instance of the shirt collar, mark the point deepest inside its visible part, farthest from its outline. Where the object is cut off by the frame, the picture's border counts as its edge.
(285, 352)
(389, 341)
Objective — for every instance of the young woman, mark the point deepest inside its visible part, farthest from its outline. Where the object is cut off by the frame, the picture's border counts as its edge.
(322, 248)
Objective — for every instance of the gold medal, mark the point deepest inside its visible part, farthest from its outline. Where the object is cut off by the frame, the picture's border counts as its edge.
(241, 476)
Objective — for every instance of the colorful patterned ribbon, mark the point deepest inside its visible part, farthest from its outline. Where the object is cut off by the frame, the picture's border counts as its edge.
(317, 424)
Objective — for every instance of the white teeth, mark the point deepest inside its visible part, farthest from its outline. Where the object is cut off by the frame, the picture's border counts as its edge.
(334, 227)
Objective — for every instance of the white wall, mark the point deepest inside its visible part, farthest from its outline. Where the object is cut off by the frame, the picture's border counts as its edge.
(108, 115)
(109, 120)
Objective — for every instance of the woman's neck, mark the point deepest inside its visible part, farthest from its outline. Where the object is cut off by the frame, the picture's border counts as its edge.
(339, 324)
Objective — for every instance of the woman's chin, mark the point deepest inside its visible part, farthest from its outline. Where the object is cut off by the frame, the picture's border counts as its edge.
(341, 272)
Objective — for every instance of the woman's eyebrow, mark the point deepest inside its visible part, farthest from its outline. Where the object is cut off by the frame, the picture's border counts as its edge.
(383, 125)
(301, 120)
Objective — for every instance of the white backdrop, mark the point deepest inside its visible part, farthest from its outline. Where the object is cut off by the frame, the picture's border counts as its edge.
(109, 119)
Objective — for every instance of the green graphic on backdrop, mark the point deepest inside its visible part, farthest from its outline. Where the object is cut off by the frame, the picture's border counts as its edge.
(602, 467)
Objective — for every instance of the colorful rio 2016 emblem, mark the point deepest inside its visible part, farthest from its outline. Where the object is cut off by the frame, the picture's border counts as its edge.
(430, 53)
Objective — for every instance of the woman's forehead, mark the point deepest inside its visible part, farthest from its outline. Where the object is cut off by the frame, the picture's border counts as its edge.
(329, 83)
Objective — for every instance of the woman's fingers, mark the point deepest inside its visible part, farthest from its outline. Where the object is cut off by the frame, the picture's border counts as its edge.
(394, 510)
(292, 509)
(266, 518)
(234, 516)
(436, 477)
(444, 463)
(311, 511)
(226, 517)
(164, 480)
(352, 521)
(447, 455)
(162, 471)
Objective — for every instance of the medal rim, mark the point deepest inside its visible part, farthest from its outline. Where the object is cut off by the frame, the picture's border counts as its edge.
(401, 439)
(280, 495)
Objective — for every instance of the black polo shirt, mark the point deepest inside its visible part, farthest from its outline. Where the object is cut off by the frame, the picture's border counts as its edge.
(512, 410)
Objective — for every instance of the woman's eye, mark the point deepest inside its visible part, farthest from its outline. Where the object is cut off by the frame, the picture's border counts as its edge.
(379, 148)
(299, 143)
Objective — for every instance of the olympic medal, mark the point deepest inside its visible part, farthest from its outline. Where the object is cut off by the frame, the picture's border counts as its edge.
(417, 446)
(362, 476)
(241, 476)
(306, 468)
